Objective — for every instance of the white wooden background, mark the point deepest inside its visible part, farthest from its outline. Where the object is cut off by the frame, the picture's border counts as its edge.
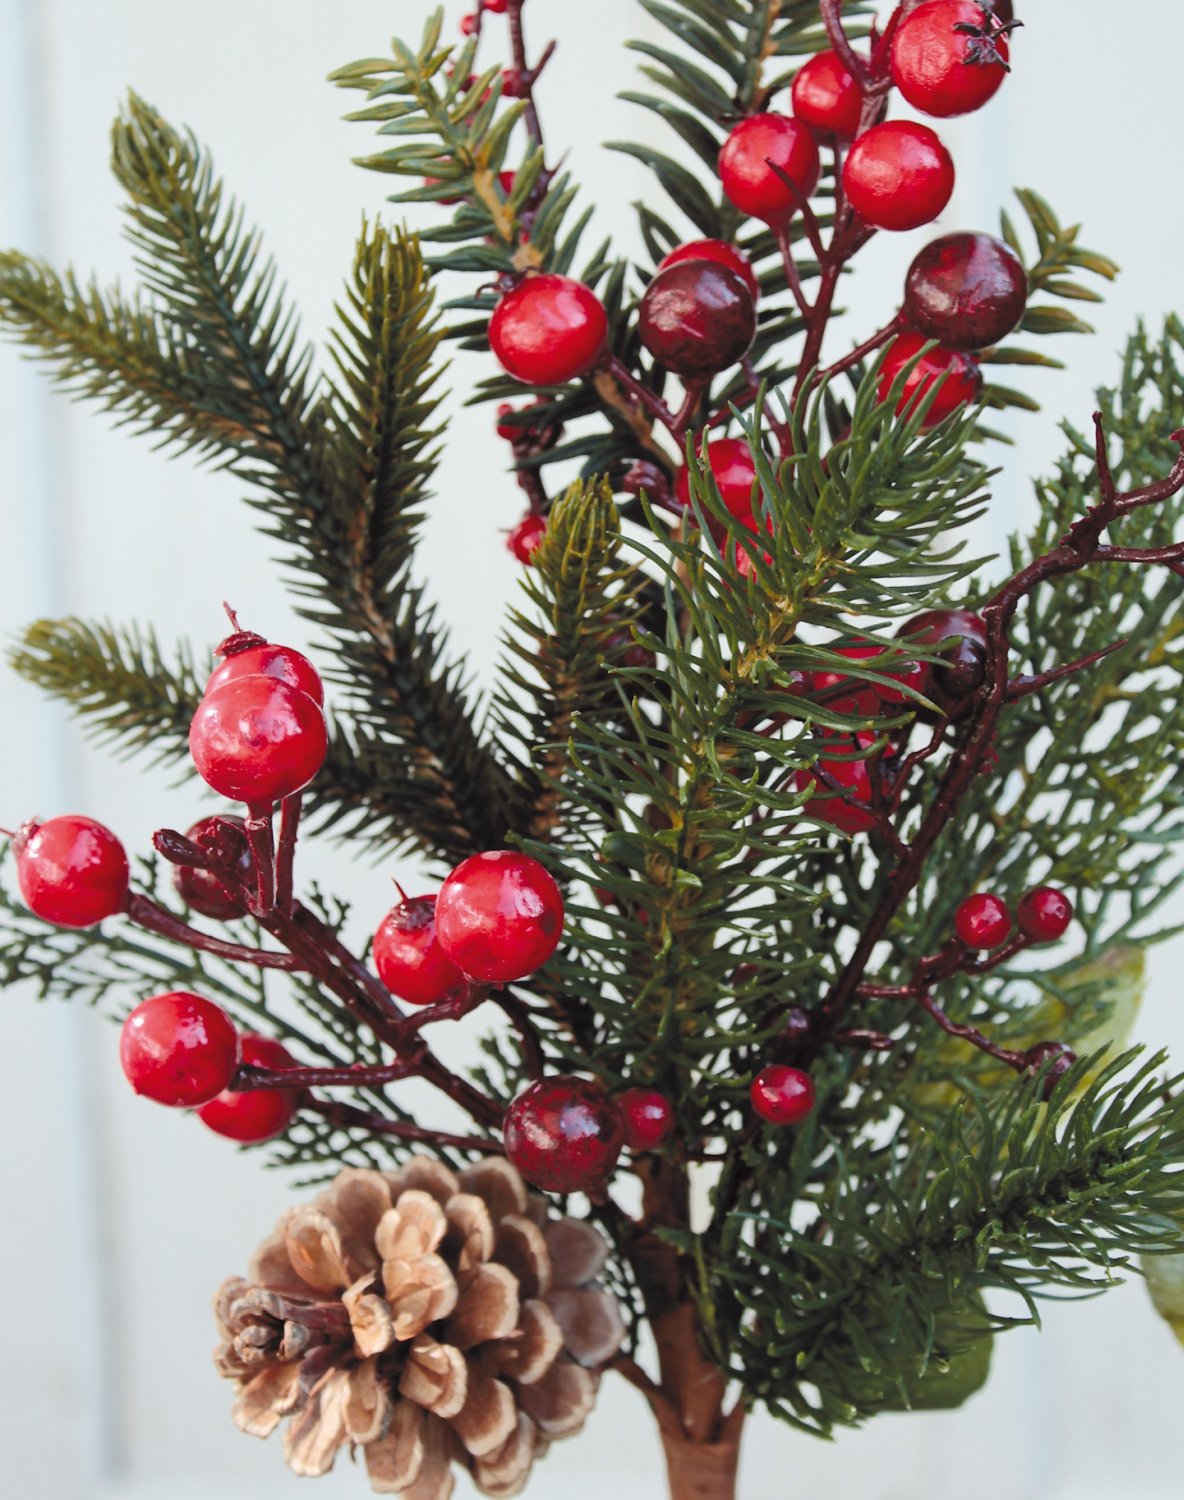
(118, 1218)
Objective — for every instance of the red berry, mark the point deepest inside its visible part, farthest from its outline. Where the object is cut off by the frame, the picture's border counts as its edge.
(961, 637)
(783, 1096)
(826, 96)
(564, 1135)
(179, 1049)
(499, 916)
(697, 318)
(941, 70)
(256, 739)
(968, 290)
(898, 175)
(495, 7)
(732, 467)
(408, 956)
(201, 890)
(962, 383)
(255, 1115)
(847, 805)
(262, 659)
(511, 431)
(72, 871)
(983, 921)
(1044, 914)
(647, 1119)
(719, 251)
(514, 84)
(1053, 1056)
(548, 330)
(468, 24)
(526, 536)
(866, 698)
(751, 152)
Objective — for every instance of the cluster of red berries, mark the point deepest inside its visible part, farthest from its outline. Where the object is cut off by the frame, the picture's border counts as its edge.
(259, 732)
(984, 921)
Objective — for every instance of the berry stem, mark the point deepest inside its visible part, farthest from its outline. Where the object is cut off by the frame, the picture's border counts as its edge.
(861, 351)
(261, 838)
(832, 19)
(145, 913)
(350, 1117)
(527, 74)
(285, 858)
(652, 402)
(355, 1075)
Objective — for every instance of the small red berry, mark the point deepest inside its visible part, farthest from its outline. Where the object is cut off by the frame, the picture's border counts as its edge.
(564, 1135)
(514, 84)
(251, 656)
(408, 956)
(1055, 1057)
(256, 740)
(468, 24)
(72, 871)
(255, 1115)
(983, 921)
(783, 1096)
(732, 467)
(942, 70)
(179, 1049)
(499, 916)
(847, 804)
(506, 180)
(526, 536)
(201, 890)
(751, 152)
(898, 175)
(866, 698)
(647, 1119)
(719, 251)
(495, 7)
(961, 637)
(697, 318)
(1044, 914)
(968, 290)
(511, 431)
(549, 330)
(826, 96)
(962, 383)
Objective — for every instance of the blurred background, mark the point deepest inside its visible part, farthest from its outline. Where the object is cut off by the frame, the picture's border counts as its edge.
(119, 1218)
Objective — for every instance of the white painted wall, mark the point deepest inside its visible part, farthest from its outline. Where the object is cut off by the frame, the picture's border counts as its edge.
(119, 1220)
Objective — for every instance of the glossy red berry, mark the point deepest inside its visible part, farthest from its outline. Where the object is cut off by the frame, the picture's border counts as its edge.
(201, 890)
(510, 431)
(564, 1135)
(983, 921)
(179, 1049)
(844, 799)
(751, 152)
(697, 318)
(826, 96)
(495, 7)
(499, 916)
(72, 871)
(731, 464)
(968, 290)
(514, 84)
(898, 175)
(549, 330)
(408, 956)
(647, 1119)
(962, 383)
(251, 656)
(255, 739)
(942, 70)
(1044, 914)
(961, 637)
(526, 536)
(722, 253)
(255, 1115)
(783, 1096)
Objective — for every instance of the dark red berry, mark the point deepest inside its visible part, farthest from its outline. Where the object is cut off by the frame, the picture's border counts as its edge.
(549, 330)
(1044, 914)
(867, 698)
(255, 1115)
(783, 1096)
(201, 890)
(408, 956)
(499, 916)
(255, 739)
(468, 24)
(72, 871)
(1054, 1059)
(844, 800)
(962, 383)
(827, 97)
(179, 1049)
(983, 921)
(898, 175)
(942, 70)
(961, 637)
(564, 1135)
(251, 656)
(722, 253)
(752, 151)
(647, 1119)
(968, 290)
(514, 84)
(526, 536)
(697, 318)
(732, 467)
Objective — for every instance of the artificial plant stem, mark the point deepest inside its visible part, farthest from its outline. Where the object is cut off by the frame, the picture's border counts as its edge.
(286, 855)
(145, 913)
(832, 19)
(261, 838)
(861, 351)
(355, 1075)
(523, 69)
(649, 400)
(350, 1117)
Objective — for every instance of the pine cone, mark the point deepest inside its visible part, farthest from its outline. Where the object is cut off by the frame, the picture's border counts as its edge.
(425, 1318)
